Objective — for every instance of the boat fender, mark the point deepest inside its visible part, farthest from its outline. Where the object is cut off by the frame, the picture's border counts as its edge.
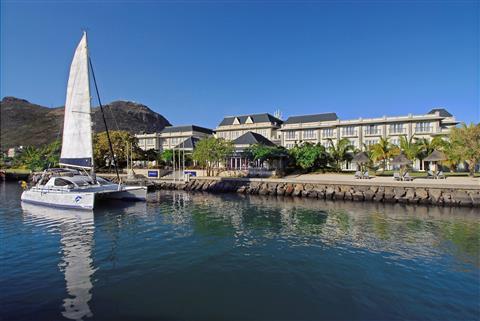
(23, 184)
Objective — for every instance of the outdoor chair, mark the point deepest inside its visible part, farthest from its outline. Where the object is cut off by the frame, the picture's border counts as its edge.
(358, 174)
(440, 175)
(366, 175)
(430, 174)
(407, 177)
(396, 176)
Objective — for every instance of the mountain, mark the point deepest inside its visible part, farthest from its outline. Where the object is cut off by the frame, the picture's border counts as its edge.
(24, 123)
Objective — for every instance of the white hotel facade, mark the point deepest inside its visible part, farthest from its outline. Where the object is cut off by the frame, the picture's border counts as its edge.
(320, 128)
(317, 128)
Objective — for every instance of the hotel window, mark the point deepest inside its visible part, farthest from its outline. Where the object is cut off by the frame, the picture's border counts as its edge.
(262, 132)
(291, 134)
(395, 141)
(423, 127)
(396, 128)
(309, 134)
(372, 130)
(288, 146)
(328, 132)
(150, 141)
(370, 142)
(348, 131)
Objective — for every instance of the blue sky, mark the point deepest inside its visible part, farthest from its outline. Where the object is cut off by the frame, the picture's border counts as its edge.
(195, 61)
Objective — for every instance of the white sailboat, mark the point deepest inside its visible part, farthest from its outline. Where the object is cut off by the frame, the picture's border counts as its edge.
(76, 185)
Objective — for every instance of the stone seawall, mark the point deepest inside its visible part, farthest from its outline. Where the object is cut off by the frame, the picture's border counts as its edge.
(387, 193)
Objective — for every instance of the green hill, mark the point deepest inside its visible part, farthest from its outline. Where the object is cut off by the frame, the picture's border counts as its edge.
(24, 123)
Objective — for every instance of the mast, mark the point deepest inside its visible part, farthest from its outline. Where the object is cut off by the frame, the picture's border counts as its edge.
(92, 170)
(104, 120)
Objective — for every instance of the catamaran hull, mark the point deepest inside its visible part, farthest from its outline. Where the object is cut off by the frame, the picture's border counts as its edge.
(82, 200)
(77, 200)
(137, 193)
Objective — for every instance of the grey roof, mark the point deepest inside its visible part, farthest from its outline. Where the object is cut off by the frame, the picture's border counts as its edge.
(186, 128)
(256, 118)
(311, 118)
(251, 138)
(443, 112)
(188, 143)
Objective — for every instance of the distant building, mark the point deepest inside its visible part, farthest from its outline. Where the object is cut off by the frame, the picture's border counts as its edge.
(173, 137)
(14, 151)
(232, 127)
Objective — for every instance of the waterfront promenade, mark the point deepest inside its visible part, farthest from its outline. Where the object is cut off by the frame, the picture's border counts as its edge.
(454, 191)
(450, 182)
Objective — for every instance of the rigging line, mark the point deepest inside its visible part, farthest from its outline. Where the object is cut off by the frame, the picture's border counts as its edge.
(113, 116)
(104, 120)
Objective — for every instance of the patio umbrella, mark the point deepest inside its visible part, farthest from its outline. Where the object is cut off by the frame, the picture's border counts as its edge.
(435, 156)
(361, 158)
(400, 159)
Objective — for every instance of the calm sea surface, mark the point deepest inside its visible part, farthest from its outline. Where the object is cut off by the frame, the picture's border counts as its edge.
(226, 257)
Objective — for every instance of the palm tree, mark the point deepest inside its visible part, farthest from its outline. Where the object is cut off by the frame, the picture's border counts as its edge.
(340, 152)
(383, 151)
(409, 147)
(453, 159)
(31, 158)
(426, 146)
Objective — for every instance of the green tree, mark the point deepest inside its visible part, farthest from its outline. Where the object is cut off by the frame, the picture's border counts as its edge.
(267, 153)
(453, 159)
(339, 152)
(465, 142)
(167, 156)
(383, 151)
(211, 152)
(120, 139)
(426, 146)
(409, 147)
(30, 158)
(38, 159)
(309, 156)
(51, 153)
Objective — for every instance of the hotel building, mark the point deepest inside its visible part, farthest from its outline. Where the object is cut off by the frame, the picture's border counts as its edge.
(233, 127)
(320, 128)
(173, 137)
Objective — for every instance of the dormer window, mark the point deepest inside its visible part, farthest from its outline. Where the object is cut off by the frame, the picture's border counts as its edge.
(236, 121)
(249, 120)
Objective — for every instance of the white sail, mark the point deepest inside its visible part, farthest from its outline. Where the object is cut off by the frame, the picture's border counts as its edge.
(77, 127)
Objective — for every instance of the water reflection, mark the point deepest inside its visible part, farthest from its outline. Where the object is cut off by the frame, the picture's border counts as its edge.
(405, 231)
(76, 230)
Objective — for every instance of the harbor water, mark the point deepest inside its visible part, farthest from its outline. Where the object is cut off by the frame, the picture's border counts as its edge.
(198, 256)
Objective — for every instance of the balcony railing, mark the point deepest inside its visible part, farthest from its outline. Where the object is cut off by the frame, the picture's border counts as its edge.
(373, 132)
(396, 131)
(428, 129)
(349, 133)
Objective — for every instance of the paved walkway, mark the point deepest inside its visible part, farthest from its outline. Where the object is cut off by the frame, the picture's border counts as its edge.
(340, 178)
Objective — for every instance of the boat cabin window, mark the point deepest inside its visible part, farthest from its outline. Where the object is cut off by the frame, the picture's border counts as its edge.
(103, 181)
(83, 183)
(63, 182)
